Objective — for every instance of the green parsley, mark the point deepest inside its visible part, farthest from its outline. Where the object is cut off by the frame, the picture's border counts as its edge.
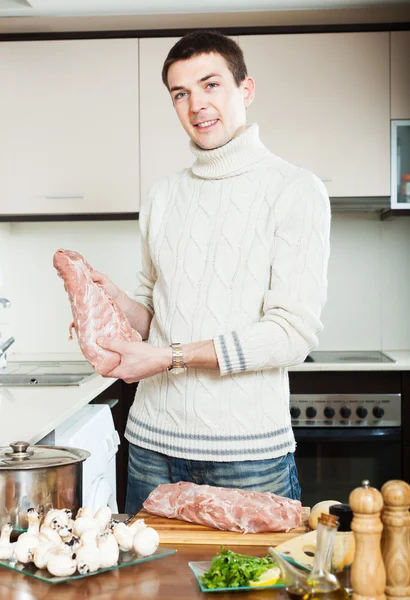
(231, 570)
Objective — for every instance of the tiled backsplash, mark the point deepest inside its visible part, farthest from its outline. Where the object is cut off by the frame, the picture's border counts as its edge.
(369, 280)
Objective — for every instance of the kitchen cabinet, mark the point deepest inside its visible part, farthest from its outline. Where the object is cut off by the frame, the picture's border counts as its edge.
(69, 119)
(164, 143)
(322, 103)
(400, 74)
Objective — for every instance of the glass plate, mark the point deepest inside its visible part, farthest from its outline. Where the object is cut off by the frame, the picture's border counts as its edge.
(200, 568)
(126, 559)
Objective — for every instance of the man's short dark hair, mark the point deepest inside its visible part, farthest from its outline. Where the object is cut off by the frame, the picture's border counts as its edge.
(206, 42)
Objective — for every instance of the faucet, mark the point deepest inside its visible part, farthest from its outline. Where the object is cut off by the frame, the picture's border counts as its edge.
(4, 346)
(5, 303)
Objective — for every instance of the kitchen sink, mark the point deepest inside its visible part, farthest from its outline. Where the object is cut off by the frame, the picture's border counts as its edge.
(51, 373)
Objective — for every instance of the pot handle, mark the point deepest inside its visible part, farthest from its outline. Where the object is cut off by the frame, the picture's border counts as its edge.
(19, 450)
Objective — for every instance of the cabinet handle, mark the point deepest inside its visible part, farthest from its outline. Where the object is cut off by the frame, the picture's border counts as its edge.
(65, 196)
(326, 180)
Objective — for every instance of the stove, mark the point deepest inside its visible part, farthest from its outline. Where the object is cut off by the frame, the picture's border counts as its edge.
(349, 356)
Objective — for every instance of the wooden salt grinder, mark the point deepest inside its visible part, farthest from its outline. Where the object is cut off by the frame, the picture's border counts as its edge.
(368, 573)
(396, 538)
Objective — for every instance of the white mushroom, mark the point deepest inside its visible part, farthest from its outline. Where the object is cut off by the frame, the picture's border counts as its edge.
(85, 511)
(109, 551)
(138, 525)
(33, 518)
(65, 533)
(57, 518)
(61, 562)
(145, 541)
(74, 543)
(41, 554)
(6, 548)
(88, 555)
(103, 516)
(27, 542)
(47, 534)
(83, 524)
(124, 536)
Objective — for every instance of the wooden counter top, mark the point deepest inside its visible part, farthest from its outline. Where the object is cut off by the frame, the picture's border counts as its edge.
(168, 578)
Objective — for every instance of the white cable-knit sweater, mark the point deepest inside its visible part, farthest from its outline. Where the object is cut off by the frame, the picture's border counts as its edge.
(234, 249)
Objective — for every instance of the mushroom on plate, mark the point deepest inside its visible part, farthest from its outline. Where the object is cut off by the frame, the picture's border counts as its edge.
(6, 547)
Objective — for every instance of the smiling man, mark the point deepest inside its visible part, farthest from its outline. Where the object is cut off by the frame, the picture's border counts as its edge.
(233, 281)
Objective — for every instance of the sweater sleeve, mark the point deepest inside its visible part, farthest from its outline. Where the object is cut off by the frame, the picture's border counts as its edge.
(148, 274)
(290, 317)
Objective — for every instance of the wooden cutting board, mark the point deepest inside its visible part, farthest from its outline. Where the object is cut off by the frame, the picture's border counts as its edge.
(172, 531)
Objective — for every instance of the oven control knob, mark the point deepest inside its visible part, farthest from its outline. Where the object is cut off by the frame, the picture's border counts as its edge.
(345, 412)
(378, 412)
(311, 412)
(361, 412)
(329, 412)
(295, 412)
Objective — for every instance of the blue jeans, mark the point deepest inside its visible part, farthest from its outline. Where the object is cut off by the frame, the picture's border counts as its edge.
(147, 469)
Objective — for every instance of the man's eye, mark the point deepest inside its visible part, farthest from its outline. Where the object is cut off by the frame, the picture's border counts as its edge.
(179, 95)
(212, 85)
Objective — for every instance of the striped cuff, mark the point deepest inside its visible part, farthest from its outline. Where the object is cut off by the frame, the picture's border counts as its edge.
(232, 357)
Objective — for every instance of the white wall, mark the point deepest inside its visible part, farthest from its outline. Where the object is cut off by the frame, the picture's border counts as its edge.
(369, 280)
(40, 313)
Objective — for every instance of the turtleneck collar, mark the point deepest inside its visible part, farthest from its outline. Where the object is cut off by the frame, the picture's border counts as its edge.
(236, 157)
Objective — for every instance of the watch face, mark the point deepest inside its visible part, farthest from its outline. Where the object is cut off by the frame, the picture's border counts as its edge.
(177, 370)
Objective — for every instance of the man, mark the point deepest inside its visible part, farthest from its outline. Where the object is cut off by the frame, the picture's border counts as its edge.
(234, 262)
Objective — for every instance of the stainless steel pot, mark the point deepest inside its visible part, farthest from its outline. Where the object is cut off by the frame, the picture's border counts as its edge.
(41, 477)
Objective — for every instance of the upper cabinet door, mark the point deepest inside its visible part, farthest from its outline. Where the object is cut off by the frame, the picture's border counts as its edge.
(70, 140)
(322, 103)
(400, 74)
(164, 143)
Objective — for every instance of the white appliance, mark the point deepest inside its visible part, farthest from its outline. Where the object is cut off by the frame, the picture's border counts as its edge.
(92, 428)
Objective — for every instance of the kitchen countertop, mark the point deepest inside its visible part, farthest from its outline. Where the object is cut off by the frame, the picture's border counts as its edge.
(28, 413)
(168, 578)
(401, 358)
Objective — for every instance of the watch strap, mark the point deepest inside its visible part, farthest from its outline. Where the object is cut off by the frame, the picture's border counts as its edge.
(177, 357)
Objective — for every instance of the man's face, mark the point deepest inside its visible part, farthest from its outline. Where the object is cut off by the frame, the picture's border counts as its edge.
(209, 104)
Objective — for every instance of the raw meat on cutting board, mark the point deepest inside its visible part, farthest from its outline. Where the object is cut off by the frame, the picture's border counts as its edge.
(95, 313)
(229, 509)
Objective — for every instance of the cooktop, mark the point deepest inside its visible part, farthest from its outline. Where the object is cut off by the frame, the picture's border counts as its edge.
(348, 356)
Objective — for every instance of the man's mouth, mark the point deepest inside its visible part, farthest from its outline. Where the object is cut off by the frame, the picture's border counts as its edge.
(206, 124)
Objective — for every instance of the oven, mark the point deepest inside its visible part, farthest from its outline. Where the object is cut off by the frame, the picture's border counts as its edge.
(343, 439)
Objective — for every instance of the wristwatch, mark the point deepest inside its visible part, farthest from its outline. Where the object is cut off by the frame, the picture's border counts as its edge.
(177, 365)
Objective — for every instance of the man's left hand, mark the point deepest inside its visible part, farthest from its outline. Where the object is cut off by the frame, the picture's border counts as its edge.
(138, 359)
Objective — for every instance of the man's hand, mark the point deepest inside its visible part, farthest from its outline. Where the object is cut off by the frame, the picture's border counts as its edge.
(138, 315)
(138, 359)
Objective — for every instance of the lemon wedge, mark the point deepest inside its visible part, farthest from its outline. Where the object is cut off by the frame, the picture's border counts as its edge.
(269, 577)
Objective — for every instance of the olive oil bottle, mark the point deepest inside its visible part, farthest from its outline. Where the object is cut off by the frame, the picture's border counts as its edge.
(319, 584)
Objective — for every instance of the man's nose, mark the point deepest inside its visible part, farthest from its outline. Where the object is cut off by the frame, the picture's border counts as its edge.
(198, 102)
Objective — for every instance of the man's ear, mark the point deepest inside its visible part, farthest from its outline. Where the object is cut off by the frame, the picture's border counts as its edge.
(248, 90)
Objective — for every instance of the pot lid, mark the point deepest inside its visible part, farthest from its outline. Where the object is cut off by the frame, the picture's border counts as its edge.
(21, 455)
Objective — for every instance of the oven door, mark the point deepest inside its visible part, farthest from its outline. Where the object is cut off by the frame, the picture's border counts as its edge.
(333, 461)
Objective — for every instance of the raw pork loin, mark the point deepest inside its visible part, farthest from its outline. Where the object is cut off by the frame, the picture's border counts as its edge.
(95, 313)
(229, 509)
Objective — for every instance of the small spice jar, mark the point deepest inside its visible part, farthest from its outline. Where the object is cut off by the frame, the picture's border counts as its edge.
(405, 188)
(343, 546)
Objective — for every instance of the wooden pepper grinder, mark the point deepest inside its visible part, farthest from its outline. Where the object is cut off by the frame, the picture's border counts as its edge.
(368, 573)
(396, 538)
